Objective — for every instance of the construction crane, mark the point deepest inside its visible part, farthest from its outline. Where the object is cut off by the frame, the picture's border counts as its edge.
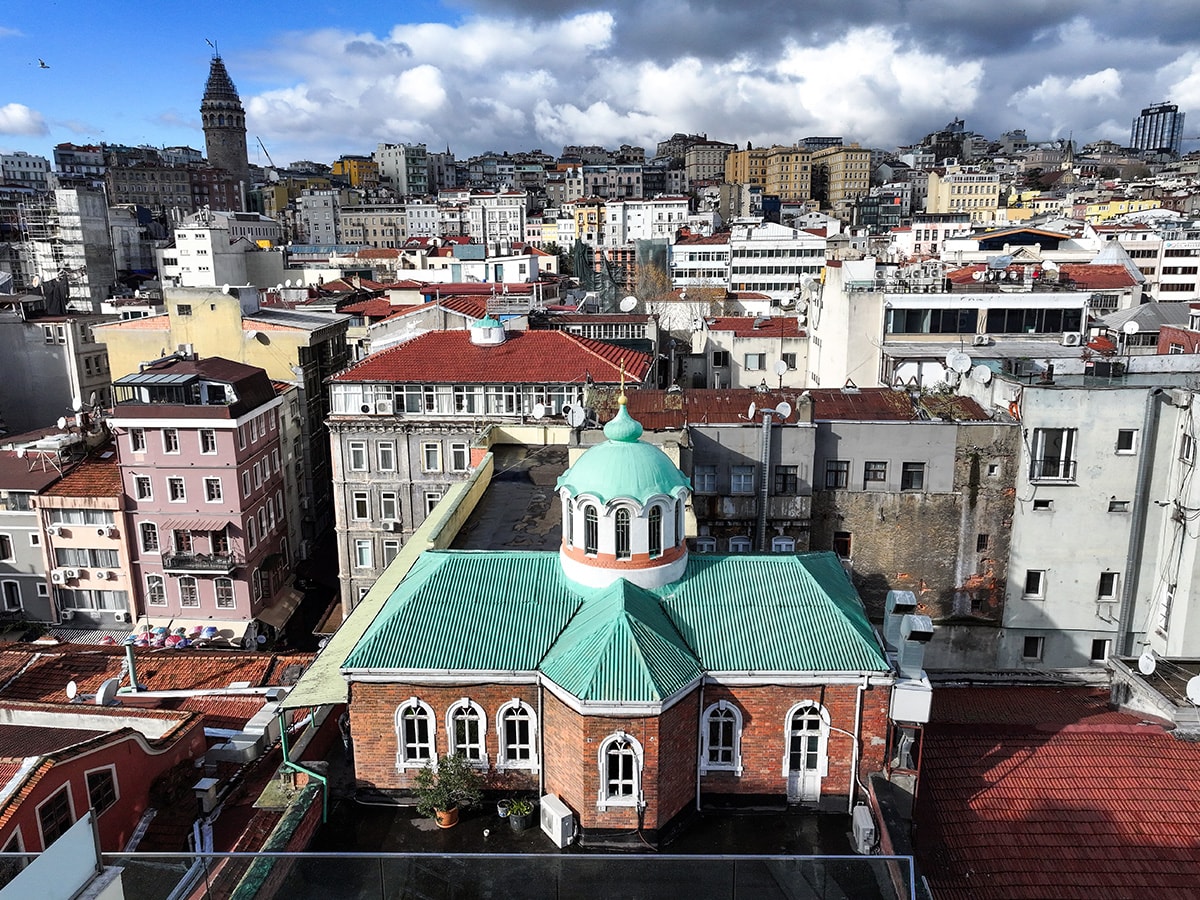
(264, 150)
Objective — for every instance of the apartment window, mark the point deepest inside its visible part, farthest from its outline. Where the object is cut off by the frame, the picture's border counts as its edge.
(360, 506)
(912, 476)
(141, 487)
(137, 440)
(55, 816)
(363, 554)
(1100, 649)
(837, 473)
(721, 738)
(654, 522)
(466, 725)
(189, 592)
(739, 544)
(149, 534)
(516, 729)
(1043, 505)
(1033, 647)
(156, 591)
(224, 590)
(1187, 449)
(246, 483)
(720, 359)
(874, 472)
(241, 437)
(781, 544)
(208, 441)
(741, 480)
(789, 360)
(755, 362)
(170, 439)
(256, 585)
(12, 596)
(358, 456)
(620, 771)
(460, 458)
(1109, 584)
(414, 734)
(102, 788)
(982, 542)
(175, 490)
(706, 545)
(1118, 506)
(1035, 584)
(787, 480)
(391, 547)
(212, 490)
(841, 544)
(432, 499)
(1053, 456)
(705, 478)
(183, 309)
(431, 457)
(624, 550)
(385, 455)
(1127, 440)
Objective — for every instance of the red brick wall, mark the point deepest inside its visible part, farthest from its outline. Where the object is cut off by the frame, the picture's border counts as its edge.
(373, 728)
(1184, 337)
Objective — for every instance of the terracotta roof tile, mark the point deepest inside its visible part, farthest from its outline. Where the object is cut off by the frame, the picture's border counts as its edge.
(541, 357)
(146, 323)
(472, 307)
(94, 477)
(886, 405)
(222, 711)
(1102, 277)
(38, 740)
(374, 308)
(758, 326)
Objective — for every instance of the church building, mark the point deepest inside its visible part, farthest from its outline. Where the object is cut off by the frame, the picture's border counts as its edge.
(633, 681)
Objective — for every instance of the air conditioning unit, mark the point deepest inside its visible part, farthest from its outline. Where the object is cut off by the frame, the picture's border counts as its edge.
(383, 407)
(55, 530)
(864, 830)
(66, 614)
(70, 574)
(58, 577)
(388, 524)
(557, 820)
(121, 616)
(110, 530)
(1072, 339)
(981, 340)
(365, 408)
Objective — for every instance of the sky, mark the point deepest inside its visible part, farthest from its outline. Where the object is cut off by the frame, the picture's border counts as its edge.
(319, 79)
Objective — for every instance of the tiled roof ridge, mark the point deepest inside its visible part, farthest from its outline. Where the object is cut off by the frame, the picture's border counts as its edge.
(33, 658)
(591, 347)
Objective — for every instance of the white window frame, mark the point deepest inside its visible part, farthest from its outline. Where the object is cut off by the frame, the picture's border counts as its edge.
(432, 499)
(706, 544)
(431, 450)
(362, 498)
(735, 765)
(480, 757)
(460, 457)
(1132, 449)
(635, 799)
(822, 740)
(171, 445)
(502, 750)
(1040, 593)
(385, 456)
(218, 583)
(116, 785)
(151, 593)
(8, 550)
(409, 755)
(361, 545)
(741, 479)
(4, 595)
(754, 362)
(740, 544)
(1065, 461)
(194, 583)
(209, 483)
(783, 544)
(172, 481)
(143, 481)
(149, 528)
(205, 435)
(137, 440)
(356, 456)
(1112, 595)
(1041, 645)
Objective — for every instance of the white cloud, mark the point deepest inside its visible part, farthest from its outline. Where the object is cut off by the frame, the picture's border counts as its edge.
(17, 118)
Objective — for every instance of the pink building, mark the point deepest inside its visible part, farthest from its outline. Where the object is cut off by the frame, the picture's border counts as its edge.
(199, 449)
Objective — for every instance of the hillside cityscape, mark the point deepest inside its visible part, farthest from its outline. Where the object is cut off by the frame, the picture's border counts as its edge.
(816, 516)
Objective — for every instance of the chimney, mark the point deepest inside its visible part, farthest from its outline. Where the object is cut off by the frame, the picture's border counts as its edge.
(897, 605)
(915, 633)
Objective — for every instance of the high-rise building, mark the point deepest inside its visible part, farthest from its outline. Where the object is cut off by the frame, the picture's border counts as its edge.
(1159, 129)
(225, 127)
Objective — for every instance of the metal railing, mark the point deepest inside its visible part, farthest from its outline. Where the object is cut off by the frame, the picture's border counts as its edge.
(223, 563)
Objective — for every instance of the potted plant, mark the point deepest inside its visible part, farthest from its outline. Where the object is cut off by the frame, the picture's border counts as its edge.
(520, 814)
(502, 808)
(443, 790)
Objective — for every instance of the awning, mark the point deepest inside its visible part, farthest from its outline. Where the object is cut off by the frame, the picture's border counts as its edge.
(195, 524)
(277, 614)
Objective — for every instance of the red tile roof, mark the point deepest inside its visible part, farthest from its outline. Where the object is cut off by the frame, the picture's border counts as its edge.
(1045, 792)
(94, 477)
(485, 288)
(472, 307)
(758, 326)
(37, 740)
(227, 712)
(886, 405)
(374, 308)
(525, 357)
(1104, 277)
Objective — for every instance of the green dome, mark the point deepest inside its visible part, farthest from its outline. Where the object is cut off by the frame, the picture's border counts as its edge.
(485, 322)
(624, 466)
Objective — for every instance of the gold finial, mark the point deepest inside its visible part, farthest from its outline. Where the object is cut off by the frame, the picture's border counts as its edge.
(621, 399)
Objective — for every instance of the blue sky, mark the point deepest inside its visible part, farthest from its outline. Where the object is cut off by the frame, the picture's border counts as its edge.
(320, 78)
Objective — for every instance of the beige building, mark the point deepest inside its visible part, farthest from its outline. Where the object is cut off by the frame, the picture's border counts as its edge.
(964, 189)
(785, 171)
(844, 174)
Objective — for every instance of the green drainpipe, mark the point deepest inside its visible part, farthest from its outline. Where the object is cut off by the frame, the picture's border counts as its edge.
(296, 767)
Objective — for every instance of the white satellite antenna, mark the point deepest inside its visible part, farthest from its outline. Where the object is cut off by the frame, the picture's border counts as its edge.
(279, 287)
(539, 410)
(753, 409)
(627, 304)
(981, 374)
(958, 361)
(784, 409)
(288, 283)
(977, 276)
(72, 690)
(62, 422)
(780, 367)
(225, 289)
(1147, 663)
(251, 334)
(107, 694)
(35, 281)
(576, 416)
(1130, 328)
(1193, 689)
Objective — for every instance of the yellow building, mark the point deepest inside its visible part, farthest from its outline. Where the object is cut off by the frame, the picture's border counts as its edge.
(360, 171)
(844, 173)
(964, 189)
(783, 171)
(588, 213)
(1117, 206)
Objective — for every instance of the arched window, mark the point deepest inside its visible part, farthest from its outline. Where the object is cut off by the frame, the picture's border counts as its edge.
(516, 731)
(721, 738)
(739, 544)
(414, 734)
(806, 754)
(591, 531)
(624, 550)
(569, 522)
(620, 763)
(656, 531)
(679, 523)
(466, 726)
(782, 544)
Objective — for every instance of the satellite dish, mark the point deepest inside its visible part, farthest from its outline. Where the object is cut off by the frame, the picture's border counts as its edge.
(576, 416)
(1193, 689)
(784, 409)
(35, 281)
(108, 692)
(251, 334)
(21, 451)
(539, 410)
(780, 367)
(72, 690)
(628, 303)
(753, 409)
(62, 422)
(977, 276)
(225, 289)
(1147, 663)
(1130, 328)
(288, 283)
(279, 287)
(958, 361)
(683, 295)
(981, 374)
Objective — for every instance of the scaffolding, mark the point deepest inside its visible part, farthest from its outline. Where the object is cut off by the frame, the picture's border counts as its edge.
(68, 243)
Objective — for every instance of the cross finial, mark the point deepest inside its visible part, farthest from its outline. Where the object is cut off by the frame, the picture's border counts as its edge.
(621, 399)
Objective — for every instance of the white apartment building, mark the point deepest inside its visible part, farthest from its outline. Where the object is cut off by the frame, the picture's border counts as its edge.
(25, 170)
(637, 220)
(404, 168)
(608, 182)
(773, 259)
(318, 216)
(379, 225)
(700, 261)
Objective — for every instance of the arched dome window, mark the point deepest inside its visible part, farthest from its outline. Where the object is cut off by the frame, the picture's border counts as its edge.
(591, 531)
(656, 531)
(624, 549)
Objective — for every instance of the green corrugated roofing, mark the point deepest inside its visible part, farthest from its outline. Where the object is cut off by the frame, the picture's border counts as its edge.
(621, 646)
(516, 611)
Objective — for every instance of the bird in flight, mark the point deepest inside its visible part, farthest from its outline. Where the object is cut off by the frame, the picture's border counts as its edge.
(42, 64)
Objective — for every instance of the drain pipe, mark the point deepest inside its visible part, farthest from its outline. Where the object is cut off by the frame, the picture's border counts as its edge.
(858, 705)
(296, 767)
(541, 742)
(1137, 524)
(700, 744)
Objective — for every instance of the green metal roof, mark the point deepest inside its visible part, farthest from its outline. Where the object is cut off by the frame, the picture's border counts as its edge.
(516, 611)
(624, 466)
(621, 646)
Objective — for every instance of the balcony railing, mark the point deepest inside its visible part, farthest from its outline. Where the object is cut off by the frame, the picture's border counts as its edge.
(220, 563)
